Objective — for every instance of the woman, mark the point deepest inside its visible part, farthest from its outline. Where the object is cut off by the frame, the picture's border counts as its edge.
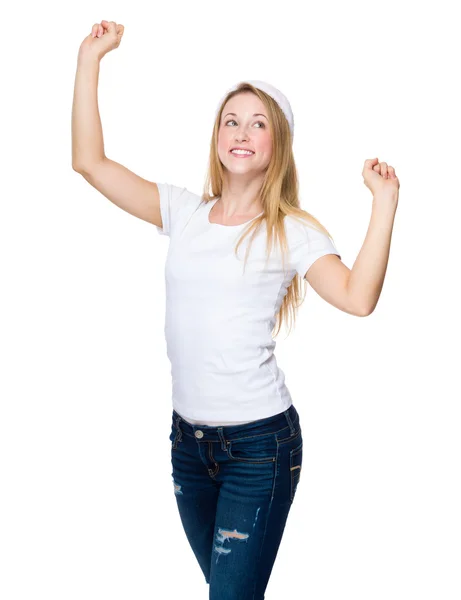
(236, 439)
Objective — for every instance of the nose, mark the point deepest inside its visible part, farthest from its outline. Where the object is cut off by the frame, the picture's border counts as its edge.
(240, 139)
(241, 135)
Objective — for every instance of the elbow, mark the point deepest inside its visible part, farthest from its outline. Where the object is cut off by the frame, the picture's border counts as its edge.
(85, 172)
(359, 309)
(86, 166)
(365, 312)
(77, 168)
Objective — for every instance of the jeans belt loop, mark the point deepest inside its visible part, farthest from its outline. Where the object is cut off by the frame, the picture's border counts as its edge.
(222, 438)
(290, 422)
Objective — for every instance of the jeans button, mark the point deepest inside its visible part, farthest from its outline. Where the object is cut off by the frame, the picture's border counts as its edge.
(199, 434)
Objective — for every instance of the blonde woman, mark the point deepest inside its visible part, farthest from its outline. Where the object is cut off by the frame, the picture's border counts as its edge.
(236, 439)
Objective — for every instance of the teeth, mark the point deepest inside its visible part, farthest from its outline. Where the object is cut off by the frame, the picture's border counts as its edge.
(241, 152)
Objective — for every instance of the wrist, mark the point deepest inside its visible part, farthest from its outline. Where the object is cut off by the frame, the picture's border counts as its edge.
(385, 202)
(88, 59)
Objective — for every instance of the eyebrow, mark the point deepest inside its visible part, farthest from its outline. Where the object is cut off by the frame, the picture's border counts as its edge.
(255, 115)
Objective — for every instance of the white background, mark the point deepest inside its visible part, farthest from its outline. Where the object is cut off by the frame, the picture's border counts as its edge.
(87, 508)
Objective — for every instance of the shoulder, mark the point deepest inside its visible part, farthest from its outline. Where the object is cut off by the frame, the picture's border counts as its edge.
(178, 199)
(177, 193)
(177, 204)
(307, 243)
(299, 230)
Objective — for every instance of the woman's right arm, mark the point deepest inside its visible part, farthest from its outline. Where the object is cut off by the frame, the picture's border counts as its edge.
(121, 186)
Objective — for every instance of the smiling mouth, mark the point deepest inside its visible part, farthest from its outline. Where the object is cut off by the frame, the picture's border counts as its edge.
(244, 155)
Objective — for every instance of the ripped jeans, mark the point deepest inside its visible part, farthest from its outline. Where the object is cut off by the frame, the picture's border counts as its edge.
(234, 486)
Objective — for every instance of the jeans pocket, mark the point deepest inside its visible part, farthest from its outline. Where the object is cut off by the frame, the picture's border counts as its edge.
(296, 460)
(257, 449)
(175, 437)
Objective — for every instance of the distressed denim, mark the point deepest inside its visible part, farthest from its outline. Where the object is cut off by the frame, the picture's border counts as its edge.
(234, 486)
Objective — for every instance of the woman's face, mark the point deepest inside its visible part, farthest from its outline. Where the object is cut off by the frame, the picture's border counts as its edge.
(247, 128)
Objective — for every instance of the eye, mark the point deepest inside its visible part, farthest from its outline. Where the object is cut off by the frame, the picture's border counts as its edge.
(260, 122)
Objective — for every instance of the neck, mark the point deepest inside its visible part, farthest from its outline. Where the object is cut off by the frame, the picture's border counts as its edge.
(240, 199)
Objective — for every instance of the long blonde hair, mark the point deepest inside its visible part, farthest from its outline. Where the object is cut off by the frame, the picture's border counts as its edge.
(278, 195)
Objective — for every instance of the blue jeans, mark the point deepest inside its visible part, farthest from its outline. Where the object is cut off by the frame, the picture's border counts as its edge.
(234, 486)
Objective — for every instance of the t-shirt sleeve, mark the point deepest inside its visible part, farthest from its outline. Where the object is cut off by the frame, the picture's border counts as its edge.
(312, 246)
(172, 199)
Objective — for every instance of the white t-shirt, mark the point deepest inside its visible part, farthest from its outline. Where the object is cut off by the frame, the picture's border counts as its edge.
(219, 319)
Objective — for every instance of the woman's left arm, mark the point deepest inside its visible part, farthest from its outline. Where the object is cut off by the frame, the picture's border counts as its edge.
(367, 275)
(357, 290)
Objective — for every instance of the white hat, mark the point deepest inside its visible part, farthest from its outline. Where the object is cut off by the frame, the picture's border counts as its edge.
(276, 94)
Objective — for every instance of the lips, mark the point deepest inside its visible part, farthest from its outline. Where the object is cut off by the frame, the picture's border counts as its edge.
(244, 149)
(241, 155)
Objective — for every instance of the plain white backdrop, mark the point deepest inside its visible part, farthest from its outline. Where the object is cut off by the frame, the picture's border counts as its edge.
(87, 507)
